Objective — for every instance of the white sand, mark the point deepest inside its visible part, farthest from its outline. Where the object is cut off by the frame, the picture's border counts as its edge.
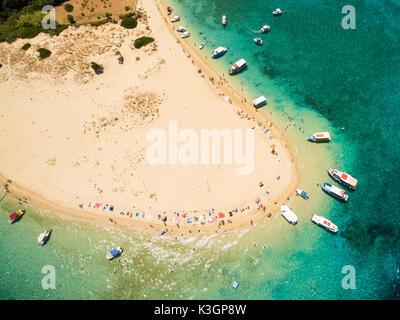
(67, 135)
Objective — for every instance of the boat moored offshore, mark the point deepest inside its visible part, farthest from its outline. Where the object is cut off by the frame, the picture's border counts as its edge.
(319, 137)
(180, 29)
(277, 12)
(218, 52)
(288, 214)
(223, 20)
(302, 194)
(265, 28)
(238, 66)
(114, 253)
(343, 178)
(175, 19)
(44, 236)
(335, 191)
(258, 41)
(324, 223)
(15, 216)
(185, 35)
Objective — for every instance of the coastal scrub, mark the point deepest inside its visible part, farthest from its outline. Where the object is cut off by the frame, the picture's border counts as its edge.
(98, 69)
(26, 46)
(43, 53)
(69, 7)
(142, 41)
(129, 23)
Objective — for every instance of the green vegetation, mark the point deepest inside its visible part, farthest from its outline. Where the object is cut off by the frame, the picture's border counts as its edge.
(127, 8)
(69, 7)
(129, 23)
(23, 19)
(98, 69)
(99, 22)
(43, 53)
(108, 15)
(26, 46)
(142, 41)
(70, 19)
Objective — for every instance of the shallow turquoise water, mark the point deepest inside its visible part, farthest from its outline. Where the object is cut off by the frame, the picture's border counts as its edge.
(324, 77)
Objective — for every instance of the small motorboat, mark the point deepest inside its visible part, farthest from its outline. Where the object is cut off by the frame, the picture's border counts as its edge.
(302, 194)
(335, 192)
(180, 29)
(277, 12)
(175, 19)
(114, 253)
(169, 10)
(235, 284)
(324, 223)
(15, 216)
(218, 52)
(238, 66)
(319, 137)
(44, 237)
(343, 178)
(288, 214)
(258, 41)
(201, 46)
(265, 28)
(259, 102)
(223, 20)
(185, 35)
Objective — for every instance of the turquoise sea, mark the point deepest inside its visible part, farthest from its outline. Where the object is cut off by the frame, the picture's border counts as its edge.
(316, 76)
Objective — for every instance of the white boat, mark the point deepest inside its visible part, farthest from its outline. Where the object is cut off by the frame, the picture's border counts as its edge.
(288, 214)
(277, 12)
(44, 236)
(335, 191)
(259, 102)
(175, 19)
(325, 223)
(265, 28)
(319, 137)
(114, 253)
(223, 20)
(185, 35)
(258, 41)
(302, 194)
(238, 66)
(218, 52)
(201, 46)
(343, 178)
(180, 29)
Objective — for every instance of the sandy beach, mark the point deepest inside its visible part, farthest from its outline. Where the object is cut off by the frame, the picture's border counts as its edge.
(75, 142)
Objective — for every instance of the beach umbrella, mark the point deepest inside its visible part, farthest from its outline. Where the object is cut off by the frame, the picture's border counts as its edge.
(221, 215)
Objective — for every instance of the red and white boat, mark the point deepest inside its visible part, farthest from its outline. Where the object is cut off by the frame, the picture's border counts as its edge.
(343, 178)
(265, 28)
(238, 66)
(277, 12)
(325, 223)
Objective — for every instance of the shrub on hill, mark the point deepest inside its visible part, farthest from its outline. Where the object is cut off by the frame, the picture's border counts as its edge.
(129, 23)
(142, 41)
(44, 53)
(69, 7)
(26, 46)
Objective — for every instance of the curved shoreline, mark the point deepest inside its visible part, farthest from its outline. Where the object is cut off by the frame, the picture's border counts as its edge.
(240, 221)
